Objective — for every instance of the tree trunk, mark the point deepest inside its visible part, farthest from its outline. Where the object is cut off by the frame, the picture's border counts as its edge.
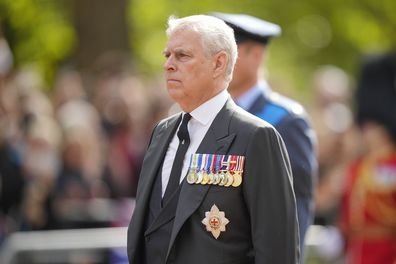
(102, 32)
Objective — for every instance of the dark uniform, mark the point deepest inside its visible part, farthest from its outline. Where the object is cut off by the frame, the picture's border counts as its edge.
(291, 121)
(286, 115)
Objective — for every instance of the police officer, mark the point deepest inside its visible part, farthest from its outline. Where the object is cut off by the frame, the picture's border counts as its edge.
(287, 116)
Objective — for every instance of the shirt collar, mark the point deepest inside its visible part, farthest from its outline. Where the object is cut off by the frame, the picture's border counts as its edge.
(207, 111)
(247, 99)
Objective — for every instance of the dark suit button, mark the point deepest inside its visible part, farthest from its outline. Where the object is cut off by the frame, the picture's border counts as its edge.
(147, 238)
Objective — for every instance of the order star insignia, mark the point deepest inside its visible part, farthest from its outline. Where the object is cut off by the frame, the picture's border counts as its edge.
(215, 221)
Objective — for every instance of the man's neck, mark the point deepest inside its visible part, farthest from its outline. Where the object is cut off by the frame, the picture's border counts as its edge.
(189, 106)
(236, 90)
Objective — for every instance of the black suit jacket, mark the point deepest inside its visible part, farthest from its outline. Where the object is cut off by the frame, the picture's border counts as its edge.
(262, 211)
(292, 123)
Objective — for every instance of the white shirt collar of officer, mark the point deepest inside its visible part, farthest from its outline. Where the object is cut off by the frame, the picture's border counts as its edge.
(247, 99)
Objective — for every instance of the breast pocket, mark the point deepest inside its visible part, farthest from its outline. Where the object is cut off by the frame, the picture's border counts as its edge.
(227, 199)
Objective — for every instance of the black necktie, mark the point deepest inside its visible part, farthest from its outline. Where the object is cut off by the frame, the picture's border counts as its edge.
(184, 142)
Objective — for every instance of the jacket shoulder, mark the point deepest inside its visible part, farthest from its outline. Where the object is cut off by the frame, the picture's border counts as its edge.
(279, 108)
(288, 105)
(249, 121)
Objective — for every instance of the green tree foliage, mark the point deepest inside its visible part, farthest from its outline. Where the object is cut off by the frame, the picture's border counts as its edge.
(39, 33)
(314, 33)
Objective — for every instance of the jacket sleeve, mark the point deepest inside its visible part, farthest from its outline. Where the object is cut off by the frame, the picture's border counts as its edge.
(300, 142)
(269, 196)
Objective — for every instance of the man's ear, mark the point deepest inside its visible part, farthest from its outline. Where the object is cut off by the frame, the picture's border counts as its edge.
(219, 64)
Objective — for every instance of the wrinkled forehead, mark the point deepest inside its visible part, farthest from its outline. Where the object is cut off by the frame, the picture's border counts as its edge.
(184, 39)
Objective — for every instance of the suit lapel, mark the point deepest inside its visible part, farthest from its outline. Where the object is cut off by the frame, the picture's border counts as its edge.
(166, 214)
(155, 155)
(217, 140)
(153, 159)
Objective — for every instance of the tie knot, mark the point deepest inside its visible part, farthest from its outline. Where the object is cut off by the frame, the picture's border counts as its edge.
(182, 134)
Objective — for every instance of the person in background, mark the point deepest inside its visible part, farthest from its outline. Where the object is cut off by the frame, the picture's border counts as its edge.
(215, 185)
(368, 208)
(332, 119)
(288, 117)
(11, 175)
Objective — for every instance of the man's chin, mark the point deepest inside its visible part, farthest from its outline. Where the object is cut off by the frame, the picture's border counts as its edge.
(175, 93)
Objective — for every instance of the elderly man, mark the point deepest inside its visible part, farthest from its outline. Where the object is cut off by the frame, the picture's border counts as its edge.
(215, 185)
(287, 116)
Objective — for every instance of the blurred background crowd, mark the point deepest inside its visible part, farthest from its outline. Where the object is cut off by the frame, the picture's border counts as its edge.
(81, 89)
(63, 152)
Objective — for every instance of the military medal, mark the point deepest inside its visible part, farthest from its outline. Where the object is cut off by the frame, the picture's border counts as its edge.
(205, 178)
(221, 178)
(215, 221)
(216, 178)
(211, 178)
(199, 177)
(237, 179)
(191, 177)
(231, 171)
(216, 169)
(217, 173)
(225, 171)
(229, 178)
(212, 168)
(200, 168)
(208, 161)
(238, 172)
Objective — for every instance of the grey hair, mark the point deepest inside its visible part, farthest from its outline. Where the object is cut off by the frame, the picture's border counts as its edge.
(215, 35)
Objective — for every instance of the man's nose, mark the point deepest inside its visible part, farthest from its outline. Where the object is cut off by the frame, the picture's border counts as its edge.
(169, 65)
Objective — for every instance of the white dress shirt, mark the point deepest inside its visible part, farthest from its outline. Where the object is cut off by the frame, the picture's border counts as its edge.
(202, 118)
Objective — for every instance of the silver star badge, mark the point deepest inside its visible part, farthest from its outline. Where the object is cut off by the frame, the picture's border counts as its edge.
(215, 221)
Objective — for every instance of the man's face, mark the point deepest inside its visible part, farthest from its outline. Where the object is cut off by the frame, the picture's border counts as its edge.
(243, 69)
(188, 71)
(250, 57)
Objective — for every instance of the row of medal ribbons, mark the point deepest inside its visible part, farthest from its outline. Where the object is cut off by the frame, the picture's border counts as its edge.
(215, 169)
